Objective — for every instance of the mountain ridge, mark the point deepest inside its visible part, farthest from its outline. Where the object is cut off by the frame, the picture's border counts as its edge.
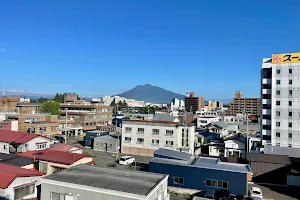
(150, 93)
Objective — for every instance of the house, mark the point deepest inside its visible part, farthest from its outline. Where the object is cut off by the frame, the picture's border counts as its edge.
(143, 137)
(19, 183)
(68, 148)
(96, 183)
(107, 143)
(219, 127)
(202, 173)
(50, 161)
(235, 145)
(205, 121)
(16, 160)
(17, 142)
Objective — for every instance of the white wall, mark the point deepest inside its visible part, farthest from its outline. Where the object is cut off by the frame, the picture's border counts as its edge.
(213, 151)
(234, 145)
(32, 144)
(9, 192)
(203, 121)
(2, 150)
(14, 125)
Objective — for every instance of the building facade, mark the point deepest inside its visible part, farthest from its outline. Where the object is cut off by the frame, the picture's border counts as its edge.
(193, 103)
(140, 137)
(280, 94)
(239, 105)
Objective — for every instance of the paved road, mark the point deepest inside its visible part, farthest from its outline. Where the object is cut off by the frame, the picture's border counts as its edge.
(272, 192)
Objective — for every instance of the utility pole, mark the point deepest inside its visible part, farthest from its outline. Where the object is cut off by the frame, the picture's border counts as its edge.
(66, 132)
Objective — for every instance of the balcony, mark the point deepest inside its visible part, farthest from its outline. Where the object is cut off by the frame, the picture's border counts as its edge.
(155, 133)
(266, 122)
(266, 91)
(266, 101)
(140, 132)
(266, 132)
(266, 111)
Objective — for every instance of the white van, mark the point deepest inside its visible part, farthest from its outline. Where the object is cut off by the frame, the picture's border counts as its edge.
(126, 160)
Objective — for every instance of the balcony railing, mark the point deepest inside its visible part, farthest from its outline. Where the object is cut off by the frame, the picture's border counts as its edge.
(155, 133)
(140, 132)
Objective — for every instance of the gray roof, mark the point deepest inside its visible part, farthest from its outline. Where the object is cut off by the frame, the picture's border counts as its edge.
(108, 137)
(15, 160)
(219, 124)
(267, 158)
(129, 181)
(167, 118)
(173, 154)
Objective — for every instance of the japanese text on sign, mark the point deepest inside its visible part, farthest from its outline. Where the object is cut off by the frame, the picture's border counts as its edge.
(285, 58)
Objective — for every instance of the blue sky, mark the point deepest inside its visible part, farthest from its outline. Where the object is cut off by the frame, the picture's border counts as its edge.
(106, 47)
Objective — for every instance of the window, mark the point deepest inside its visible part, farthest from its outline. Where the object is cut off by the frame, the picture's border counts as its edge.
(278, 124)
(277, 92)
(127, 139)
(128, 129)
(278, 71)
(155, 142)
(140, 130)
(110, 146)
(140, 140)
(5, 147)
(24, 191)
(277, 134)
(169, 132)
(155, 131)
(290, 114)
(290, 135)
(57, 196)
(41, 146)
(277, 113)
(216, 183)
(169, 143)
(290, 103)
(290, 71)
(277, 103)
(290, 92)
(178, 180)
(43, 167)
(57, 169)
(290, 125)
(182, 130)
(277, 82)
(290, 82)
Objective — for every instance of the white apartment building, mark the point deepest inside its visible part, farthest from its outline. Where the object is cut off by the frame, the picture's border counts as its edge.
(144, 137)
(280, 104)
(177, 104)
(204, 121)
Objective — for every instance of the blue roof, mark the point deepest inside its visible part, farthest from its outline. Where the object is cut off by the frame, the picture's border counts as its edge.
(170, 154)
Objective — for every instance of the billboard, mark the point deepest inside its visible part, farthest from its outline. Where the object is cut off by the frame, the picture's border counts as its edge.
(285, 58)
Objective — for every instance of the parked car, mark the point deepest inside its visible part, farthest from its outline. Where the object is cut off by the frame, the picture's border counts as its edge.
(253, 198)
(126, 160)
(255, 192)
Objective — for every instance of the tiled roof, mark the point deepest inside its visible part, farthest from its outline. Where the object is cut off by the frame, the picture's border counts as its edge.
(49, 155)
(17, 137)
(9, 173)
(64, 147)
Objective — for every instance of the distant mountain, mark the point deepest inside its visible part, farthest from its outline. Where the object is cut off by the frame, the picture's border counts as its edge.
(149, 93)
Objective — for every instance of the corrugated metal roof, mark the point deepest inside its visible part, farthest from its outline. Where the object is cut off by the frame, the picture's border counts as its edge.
(167, 118)
(172, 154)
(105, 137)
(266, 158)
(219, 124)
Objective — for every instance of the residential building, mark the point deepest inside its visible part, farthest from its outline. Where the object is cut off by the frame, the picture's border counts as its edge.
(16, 160)
(70, 126)
(205, 121)
(177, 104)
(9, 102)
(17, 142)
(96, 183)
(88, 115)
(28, 108)
(141, 137)
(42, 123)
(193, 103)
(202, 173)
(240, 105)
(280, 127)
(51, 161)
(68, 148)
(9, 125)
(235, 145)
(19, 183)
(4, 112)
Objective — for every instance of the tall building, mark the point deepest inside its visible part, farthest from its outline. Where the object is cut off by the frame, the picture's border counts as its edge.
(240, 105)
(280, 94)
(193, 103)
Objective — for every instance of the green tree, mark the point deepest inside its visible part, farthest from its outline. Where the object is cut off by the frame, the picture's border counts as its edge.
(235, 155)
(52, 107)
(125, 104)
(120, 103)
(42, 100)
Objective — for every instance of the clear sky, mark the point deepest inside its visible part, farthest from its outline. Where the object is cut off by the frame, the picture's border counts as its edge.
(104, 47)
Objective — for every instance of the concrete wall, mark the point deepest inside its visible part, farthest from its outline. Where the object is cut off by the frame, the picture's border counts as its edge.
(159, 192)
(104, 144)
(194, 177)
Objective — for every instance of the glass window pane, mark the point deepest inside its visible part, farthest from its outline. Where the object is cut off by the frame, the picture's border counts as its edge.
(220, 184)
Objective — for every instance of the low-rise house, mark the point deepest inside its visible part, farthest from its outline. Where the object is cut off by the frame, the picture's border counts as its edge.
(202, 173)
(107, 143)
(67, 148)
(19, 183)
(17, 142)
(96, 183)
(16, 160)
(206, 121)
(49, 161)
(235, 146)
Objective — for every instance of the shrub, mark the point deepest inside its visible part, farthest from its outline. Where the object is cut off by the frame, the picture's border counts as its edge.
(111, 165)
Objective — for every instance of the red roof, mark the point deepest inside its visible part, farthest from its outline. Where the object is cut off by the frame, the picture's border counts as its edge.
(64, 147)
(9, 173)
(17, 137)
(49, 155)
